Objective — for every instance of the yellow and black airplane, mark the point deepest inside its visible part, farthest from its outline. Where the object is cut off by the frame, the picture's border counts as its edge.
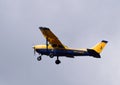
(54, 48)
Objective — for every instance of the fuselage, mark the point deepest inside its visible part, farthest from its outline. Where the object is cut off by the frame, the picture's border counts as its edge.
(57, 51)
(54, 47)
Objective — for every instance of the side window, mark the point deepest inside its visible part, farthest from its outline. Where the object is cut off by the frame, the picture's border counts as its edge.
(60, 46)
(54, 45)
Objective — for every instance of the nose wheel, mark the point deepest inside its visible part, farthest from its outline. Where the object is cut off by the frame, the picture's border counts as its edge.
(57, 61)
(39, 58)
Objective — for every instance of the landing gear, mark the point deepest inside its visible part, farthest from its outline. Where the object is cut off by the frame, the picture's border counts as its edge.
(57, 61)
(39, 58)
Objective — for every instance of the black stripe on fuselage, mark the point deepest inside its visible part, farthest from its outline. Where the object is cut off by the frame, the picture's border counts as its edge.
(62, 52)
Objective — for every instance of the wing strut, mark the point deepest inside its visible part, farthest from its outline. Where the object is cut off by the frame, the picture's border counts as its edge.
(47, 43)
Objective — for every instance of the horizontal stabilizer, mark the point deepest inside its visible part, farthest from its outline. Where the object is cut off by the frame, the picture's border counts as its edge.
(97, 49)
(93, 53)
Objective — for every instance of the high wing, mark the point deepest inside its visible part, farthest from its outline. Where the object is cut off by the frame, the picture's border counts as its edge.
(51, 38)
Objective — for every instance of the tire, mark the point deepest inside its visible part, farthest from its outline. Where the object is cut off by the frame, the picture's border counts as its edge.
(39, 58)
(57, 62)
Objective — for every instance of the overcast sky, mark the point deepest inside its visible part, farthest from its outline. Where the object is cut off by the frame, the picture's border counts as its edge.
(77, 23)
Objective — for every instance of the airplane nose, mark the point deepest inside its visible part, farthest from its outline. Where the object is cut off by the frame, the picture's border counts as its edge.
(33, 47)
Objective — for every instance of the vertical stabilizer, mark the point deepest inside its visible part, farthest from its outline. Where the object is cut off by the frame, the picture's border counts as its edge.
(99, 47)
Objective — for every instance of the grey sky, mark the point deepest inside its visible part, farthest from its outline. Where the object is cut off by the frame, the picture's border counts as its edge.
(77, 23)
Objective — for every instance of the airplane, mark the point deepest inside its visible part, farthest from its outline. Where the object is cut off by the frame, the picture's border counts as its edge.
(54, 48)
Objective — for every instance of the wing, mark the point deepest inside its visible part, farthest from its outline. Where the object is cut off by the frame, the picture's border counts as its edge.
(51, 38)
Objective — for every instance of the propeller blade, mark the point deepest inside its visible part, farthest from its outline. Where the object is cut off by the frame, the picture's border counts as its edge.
(34, 52)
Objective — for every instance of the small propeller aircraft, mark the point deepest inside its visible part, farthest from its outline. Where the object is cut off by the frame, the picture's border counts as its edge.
(54, 48)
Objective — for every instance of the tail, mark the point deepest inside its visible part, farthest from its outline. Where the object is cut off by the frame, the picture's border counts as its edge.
(97, 49)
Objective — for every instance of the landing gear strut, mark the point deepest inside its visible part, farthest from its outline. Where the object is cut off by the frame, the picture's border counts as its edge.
(57, 61)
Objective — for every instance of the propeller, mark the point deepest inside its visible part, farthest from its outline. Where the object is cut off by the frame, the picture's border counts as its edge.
(34, 50)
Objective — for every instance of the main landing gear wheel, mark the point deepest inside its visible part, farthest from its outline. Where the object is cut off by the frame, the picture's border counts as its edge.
(57, 61)
(39, 58)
